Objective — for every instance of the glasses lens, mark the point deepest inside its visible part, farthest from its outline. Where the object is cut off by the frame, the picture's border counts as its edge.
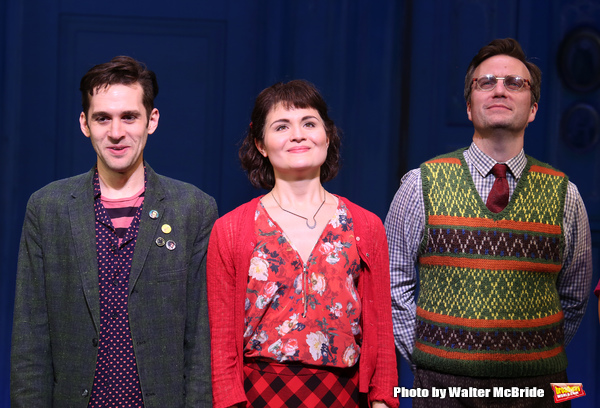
(486, 82)
(513, 82)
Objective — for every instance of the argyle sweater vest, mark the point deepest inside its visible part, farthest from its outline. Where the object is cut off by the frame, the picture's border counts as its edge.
(488, 304)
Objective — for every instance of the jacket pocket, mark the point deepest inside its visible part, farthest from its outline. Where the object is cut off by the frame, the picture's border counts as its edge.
(171, 275)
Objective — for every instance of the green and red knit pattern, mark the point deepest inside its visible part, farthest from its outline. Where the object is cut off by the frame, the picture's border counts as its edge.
(488, 305)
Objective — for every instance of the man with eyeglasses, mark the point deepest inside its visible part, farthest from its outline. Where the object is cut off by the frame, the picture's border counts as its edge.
(502, 244)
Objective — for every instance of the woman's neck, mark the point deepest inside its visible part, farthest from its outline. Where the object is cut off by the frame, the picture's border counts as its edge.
(298, 194)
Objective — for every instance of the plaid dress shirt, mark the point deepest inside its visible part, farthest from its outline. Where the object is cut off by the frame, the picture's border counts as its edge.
(405, 223)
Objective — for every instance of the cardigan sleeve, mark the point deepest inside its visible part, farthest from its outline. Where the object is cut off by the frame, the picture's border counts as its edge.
(227, 378)
(378, 370)
(385, 376)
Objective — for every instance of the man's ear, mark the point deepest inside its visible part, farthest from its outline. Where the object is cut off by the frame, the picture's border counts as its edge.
(83, 125)
(469, 111)
(153, 121)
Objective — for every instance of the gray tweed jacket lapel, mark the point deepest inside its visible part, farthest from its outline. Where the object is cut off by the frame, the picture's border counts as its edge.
(82, 219)
(153, 200)
(83, 227)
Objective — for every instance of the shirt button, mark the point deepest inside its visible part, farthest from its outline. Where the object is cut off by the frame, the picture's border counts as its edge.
(85, 393)
(116, 282)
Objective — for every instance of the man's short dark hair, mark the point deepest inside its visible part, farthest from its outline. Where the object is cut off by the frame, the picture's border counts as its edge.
(298, 94)
(120, 70)
(510, 47)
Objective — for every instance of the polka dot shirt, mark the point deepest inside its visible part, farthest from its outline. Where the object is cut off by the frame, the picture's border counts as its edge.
(116, 381)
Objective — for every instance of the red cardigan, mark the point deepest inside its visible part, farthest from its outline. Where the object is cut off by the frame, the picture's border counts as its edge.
(229, 252)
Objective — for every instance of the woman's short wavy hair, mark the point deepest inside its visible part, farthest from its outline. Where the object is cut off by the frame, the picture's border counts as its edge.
(298, 94)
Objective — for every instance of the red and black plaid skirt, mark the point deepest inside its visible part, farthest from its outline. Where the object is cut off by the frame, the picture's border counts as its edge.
(292, 385)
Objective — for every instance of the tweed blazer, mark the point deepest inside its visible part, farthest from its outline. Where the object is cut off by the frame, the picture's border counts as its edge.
(57, 311)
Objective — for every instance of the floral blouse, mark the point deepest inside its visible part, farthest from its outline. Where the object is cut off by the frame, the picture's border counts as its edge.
(308, 313)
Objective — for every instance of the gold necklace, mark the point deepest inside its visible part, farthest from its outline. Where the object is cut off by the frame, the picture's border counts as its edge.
(298, 215)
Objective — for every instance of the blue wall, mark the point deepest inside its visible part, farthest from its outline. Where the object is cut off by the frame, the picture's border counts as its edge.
(391, 71)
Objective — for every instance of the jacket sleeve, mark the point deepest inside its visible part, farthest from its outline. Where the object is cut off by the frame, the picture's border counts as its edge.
(197, 335)
(227, 375)
(385, 376)
(31, 354)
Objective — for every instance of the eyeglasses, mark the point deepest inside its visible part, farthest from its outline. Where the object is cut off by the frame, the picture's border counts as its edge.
(513, 83)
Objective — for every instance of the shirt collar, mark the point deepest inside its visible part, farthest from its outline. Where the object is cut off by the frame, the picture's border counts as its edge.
(484, 163)
(96, 182)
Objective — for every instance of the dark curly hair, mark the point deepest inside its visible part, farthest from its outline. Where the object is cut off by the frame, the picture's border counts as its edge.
(510, 47)
(294, 94)
(120, 70)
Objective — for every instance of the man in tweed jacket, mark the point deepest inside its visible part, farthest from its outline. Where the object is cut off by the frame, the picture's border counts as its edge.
(106, 317)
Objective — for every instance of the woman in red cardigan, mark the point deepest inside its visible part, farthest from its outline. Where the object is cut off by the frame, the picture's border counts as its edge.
(298, 279)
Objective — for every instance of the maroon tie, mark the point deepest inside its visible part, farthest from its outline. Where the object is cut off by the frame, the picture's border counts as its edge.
(498, 197)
